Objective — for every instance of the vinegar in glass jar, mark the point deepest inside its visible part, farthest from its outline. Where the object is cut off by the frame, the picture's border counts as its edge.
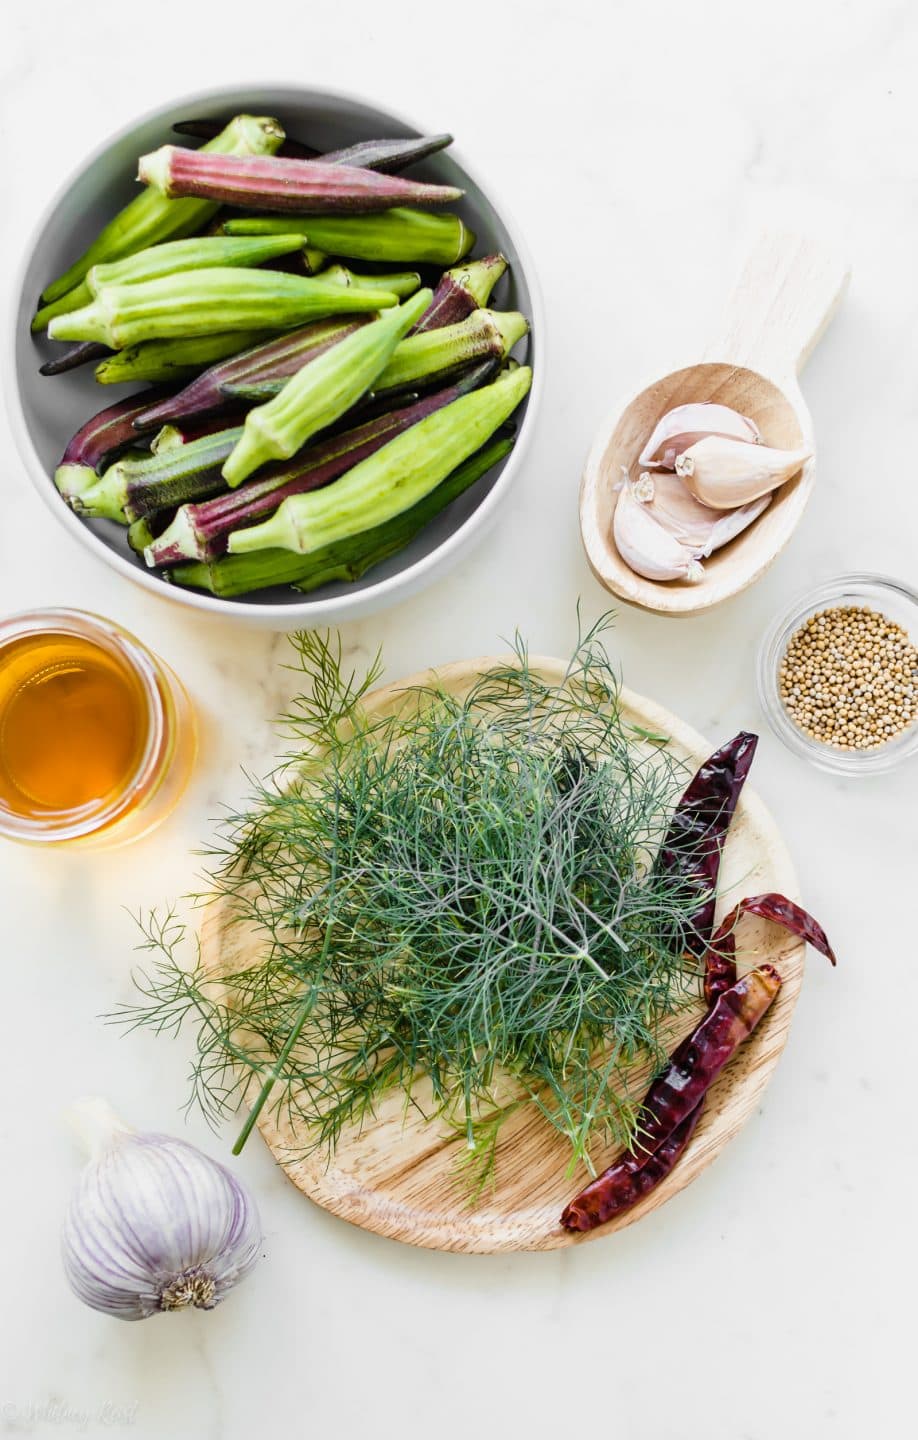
(96, 735)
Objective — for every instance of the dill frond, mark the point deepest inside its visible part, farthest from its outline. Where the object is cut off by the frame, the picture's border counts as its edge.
(462, 891)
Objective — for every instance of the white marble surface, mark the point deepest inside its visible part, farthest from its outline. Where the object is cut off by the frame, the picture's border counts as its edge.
(635, 143)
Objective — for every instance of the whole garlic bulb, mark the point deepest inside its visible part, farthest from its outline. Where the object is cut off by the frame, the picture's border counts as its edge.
(153, 1224)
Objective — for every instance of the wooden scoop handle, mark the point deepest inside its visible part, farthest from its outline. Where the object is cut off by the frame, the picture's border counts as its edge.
(785, 297)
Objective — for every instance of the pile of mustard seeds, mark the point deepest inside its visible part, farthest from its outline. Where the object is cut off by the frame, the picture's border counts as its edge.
(849, 678)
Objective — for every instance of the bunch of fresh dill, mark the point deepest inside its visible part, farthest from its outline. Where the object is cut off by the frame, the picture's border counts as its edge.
(455, 888)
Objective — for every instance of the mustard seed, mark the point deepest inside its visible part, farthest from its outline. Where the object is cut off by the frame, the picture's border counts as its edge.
(849, 678)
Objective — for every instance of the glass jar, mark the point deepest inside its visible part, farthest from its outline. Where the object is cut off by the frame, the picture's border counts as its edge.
(97, 735)
(899, 603)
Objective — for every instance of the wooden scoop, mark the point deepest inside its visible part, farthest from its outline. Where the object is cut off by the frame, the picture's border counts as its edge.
(785, 298)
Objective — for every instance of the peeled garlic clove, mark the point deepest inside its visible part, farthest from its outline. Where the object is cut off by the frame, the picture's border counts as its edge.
(646, 547)
(694, 525)
(725, 473)
(686, 424)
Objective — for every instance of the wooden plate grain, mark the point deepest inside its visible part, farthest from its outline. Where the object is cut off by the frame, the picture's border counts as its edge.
(396, 1176)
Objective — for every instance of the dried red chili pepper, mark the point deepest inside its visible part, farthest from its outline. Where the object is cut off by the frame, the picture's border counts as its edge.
(696, 1063)
(720, 960)
(693, 1067)
(695, 839)
(628, 1180)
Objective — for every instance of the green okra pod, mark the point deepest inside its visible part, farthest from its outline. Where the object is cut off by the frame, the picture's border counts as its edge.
(321, 391)
(199, 302)
(175, 360)
(346, 560)
(313, 260)
(200, 531)
(402, 234)
(393, 479)
(440, 353)
(150, 218)
(201, 253)
(400, 282)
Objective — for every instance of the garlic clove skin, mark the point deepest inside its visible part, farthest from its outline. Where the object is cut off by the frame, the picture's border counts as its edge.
(686, 425)
(154, 1224)
(725, 473)
(731, 523)
(646, 547)
(700, 528)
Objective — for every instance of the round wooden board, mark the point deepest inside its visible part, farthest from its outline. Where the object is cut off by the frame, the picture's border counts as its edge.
(396, 1177)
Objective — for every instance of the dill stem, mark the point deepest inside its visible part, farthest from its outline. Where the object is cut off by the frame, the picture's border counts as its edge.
(284, 1054)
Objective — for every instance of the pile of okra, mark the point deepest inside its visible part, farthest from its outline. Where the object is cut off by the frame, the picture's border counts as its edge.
(314, 403)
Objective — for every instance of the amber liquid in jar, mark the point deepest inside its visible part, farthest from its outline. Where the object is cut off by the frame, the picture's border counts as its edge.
(74, 725)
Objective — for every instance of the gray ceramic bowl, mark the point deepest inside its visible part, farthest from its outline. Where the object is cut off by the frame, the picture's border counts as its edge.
(46, 411)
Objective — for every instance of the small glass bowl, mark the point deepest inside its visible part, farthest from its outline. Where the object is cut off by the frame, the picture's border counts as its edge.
(899, 603)
(163, 770)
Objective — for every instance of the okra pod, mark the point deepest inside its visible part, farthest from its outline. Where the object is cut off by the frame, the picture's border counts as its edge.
(150, 218)
(107, 433)
(198, 302)
(320, 391)
(348, 559)
(441, 353)
(269, 182)
(200, 531)
(311, 260)
(462, 290)
(174, 360)
(207, 129)
(71, 359)
(393, 479)
(280, 357)
(433, 356)
(201, 253)
(205, 252)
(388, 155)
(141, 533)
(137, 487)
(401, 283)
(185, 432)
(405, 235)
